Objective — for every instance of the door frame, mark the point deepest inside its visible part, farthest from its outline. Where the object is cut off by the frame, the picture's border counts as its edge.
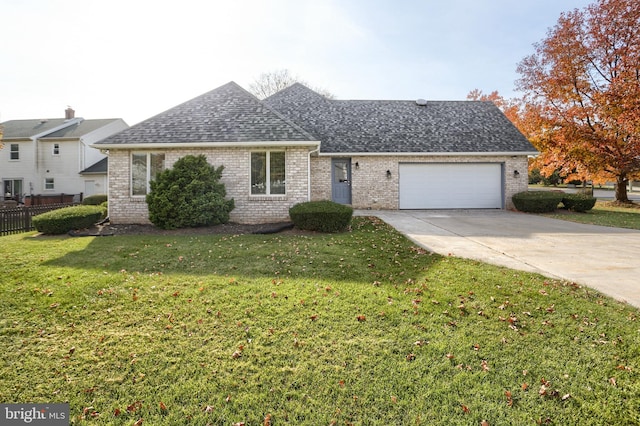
(341, 191)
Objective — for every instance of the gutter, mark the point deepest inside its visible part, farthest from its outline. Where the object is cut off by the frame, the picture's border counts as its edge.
(429, 154)
(172, 145)
(317, 150)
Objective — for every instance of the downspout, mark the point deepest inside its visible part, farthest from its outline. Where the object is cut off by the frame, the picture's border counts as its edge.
(317, 150)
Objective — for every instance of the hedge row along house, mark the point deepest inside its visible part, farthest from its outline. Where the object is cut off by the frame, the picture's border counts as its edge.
(298, 146)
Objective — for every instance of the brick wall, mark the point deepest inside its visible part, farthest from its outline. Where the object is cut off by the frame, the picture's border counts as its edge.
(372, 189)
(124, 208)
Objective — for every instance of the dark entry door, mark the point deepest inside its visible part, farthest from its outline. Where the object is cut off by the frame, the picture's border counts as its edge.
(341, 180)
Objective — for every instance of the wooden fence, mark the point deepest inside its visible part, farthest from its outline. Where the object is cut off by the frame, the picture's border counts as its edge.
(18, 219)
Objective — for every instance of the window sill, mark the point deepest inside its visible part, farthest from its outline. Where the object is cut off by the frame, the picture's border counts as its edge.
(278, 197)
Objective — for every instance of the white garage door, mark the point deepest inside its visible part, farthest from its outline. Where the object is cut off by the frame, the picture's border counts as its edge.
(451, 186)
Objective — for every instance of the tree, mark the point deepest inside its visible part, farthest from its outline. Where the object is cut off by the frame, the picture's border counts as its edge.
(188, 195)
(272, 82)
(583, 86)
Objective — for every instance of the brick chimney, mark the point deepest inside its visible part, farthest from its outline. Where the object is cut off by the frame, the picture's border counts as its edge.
(69, 113)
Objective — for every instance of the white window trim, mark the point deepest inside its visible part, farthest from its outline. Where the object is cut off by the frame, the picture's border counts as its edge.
(53, 150)
(17, 151)
(53, 184)
(148, 154)
(268, 175)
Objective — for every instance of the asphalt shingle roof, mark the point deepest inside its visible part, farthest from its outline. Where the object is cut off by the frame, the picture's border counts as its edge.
(100, 167)
(226, 114)
(21, 129)
(26, 128)
(82, 128)
(353, 126)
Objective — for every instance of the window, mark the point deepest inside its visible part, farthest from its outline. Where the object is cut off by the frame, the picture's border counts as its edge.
(56, 149)
(144, 168)
(14, 152)
(267, 173)
(49, 184)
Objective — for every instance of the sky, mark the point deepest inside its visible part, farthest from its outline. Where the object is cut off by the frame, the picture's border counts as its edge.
(133, 59)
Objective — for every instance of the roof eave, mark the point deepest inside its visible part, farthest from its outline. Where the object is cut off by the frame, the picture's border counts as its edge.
(435, 154)
(248, 144)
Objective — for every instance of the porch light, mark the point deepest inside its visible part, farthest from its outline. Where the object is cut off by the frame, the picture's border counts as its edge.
(388, 174)
(516, 173)
(357, 165)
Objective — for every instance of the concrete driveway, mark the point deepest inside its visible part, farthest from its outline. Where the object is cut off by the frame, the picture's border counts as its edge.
(603, 258)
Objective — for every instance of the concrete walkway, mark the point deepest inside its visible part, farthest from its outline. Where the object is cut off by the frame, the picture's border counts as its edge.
(603, 258)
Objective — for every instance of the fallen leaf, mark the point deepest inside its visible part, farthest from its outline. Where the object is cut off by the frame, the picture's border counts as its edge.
(509, 398)
(411, 357)
(450, 356)
(208, 409)
(612, 381)
(116, 412)
(465, 409)
(267, 420)
(361, 318)
(134, 407)
(162, 406)
(139, 422)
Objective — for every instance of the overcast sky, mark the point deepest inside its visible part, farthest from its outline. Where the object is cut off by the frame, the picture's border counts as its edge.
(133, 59)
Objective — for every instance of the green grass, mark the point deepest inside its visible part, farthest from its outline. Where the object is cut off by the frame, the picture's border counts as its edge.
(356, 328)
(604, 214)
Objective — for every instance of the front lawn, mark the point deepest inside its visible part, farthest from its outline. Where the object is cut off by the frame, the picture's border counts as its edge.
(604, 213)
(357, 328)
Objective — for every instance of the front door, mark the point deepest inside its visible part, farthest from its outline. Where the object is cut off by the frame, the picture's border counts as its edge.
(341, 180)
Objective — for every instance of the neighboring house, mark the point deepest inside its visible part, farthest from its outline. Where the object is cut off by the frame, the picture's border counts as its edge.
(54, 156)
(297, 146)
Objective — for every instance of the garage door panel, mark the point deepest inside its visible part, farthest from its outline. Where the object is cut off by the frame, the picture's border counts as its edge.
(450, 186)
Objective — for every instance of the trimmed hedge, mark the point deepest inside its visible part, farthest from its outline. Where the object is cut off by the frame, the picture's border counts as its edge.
(321, 216)
(537, 201)
(578, 202)
(94, 200)
(63, 220)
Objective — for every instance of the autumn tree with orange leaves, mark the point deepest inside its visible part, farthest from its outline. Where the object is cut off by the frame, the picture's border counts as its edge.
(582, 89)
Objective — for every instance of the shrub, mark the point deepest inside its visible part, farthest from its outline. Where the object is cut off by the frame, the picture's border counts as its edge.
(94, 200)
(537, 201)
(535, 177)
(321, 216)
(578, 202)
(552, 179)
(189, 195)
(63, 220)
